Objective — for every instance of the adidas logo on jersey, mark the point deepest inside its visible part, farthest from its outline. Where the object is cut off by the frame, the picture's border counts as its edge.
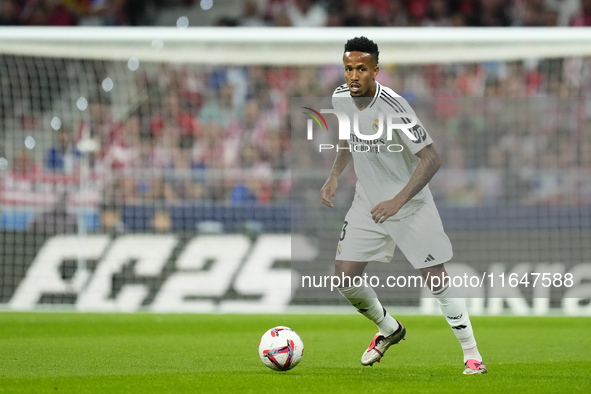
(429, 258)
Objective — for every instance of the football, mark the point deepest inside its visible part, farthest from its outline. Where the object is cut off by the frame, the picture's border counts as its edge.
(281, 348)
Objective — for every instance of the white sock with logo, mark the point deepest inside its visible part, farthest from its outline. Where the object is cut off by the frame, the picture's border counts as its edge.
(456, 314)
(367, 303)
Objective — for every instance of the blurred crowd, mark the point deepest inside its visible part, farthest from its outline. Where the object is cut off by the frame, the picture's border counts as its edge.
(308, 13)
(223, 135)
(415, 13)
(71, 12)
(191, 136)
(508, 132)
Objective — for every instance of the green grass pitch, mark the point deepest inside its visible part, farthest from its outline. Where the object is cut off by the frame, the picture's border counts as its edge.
(145, 353)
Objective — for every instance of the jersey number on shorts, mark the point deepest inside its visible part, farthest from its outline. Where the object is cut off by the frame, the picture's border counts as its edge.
(343, 232)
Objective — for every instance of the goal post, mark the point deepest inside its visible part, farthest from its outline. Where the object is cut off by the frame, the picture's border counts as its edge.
(293, 46)
(164, 169)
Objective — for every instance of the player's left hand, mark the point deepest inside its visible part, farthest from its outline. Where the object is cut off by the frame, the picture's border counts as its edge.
(385, 209)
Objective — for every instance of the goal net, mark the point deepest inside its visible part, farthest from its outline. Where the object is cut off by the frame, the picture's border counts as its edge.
(160, 169)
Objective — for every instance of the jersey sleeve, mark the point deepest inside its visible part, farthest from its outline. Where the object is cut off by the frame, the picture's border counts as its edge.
(420, 133)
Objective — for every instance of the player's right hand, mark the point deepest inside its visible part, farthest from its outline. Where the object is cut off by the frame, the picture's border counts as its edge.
(329, 190)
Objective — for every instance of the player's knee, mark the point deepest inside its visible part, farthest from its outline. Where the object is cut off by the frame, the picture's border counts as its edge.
(436, 277)
(339, 268)
(344, 268)
(348, 268)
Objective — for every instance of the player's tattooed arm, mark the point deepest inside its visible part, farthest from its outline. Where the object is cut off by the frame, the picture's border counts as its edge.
(328, 191)
(427, 167)
(342, 159)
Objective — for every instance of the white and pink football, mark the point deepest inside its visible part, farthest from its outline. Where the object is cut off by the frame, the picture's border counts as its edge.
(281, 348)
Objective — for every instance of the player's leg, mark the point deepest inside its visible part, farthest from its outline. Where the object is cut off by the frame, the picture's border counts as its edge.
(456, 314)
(423, 241)
(365, 300)
(363, 240)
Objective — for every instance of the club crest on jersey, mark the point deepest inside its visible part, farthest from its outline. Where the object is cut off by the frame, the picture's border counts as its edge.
(339, 249)
(376, 125)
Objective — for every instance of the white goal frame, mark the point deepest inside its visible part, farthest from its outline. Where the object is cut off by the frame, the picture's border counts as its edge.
(293, 46)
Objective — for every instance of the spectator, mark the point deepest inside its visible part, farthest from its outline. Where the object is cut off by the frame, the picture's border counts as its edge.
(471, 80)
(161, 221)
(242, 193)
(56, 221)
(185, 185)
(532, 17)
(157, 190)
(110, 219)
(251, 17)
(149, 156)
(459, 20)
(101, 127)
(381, 6)
(124, 151)
(223, 109)
(490, 13)
(417, 9)
(437, 14)
(565, 10)
(311, 13)
(21, 183)
(255, 183)
(256, 124)
(276, 150)
(549, 18)
(48, 13)
(274, 8)
(63, 157)
(173, 123)
(183, 154)
(526, 12)
(282, 20)
(369, 17)
(122, 190)
(583, 17)
(99, 12)
(212, 150)
(10, 13)
(396, 15)
(226, 22)
(306, 13)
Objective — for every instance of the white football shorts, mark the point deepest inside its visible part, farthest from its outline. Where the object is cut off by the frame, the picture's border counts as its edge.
(420, 236)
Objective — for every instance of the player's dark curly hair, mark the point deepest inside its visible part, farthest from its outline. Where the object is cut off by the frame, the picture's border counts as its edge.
(363, 44)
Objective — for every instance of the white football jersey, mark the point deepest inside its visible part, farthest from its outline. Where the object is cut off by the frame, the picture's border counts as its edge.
(381, 174)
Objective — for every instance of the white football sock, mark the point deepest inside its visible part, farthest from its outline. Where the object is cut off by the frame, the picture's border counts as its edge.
(367, 303)
(456, 314)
